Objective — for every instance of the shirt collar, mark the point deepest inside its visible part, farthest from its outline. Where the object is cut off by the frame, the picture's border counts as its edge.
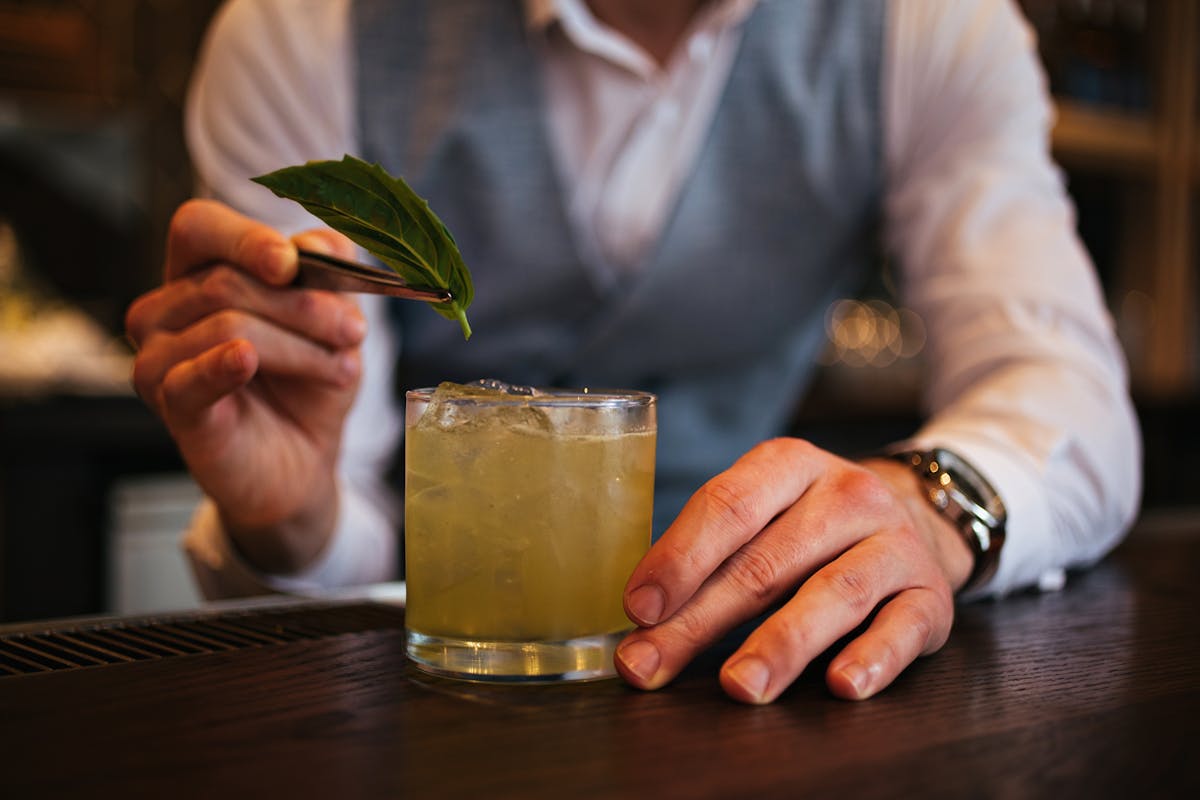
(574, 20)
(541, 14)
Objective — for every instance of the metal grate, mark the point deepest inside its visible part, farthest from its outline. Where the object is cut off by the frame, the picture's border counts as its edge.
(118, 641)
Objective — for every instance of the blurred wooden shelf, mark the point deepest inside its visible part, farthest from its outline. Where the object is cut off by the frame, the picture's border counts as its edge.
(57, 54)
(1157, 155)
(1099, 138)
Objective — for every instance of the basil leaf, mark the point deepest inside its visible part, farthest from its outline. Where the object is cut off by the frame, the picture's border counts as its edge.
(383, 215)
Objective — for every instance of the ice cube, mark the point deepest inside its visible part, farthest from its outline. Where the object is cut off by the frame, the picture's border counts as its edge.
(497, 385)
(444, 412)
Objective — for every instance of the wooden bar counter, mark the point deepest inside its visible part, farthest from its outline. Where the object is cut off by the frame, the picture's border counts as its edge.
(1093, 691)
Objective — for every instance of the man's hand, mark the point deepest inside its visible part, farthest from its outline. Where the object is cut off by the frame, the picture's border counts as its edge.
(830, 542)
(252, 377)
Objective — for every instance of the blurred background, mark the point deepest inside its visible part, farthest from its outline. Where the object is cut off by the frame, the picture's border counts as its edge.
(92, 164)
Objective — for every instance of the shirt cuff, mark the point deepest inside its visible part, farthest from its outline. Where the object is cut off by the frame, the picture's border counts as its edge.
(1027, 557)
(362, 550)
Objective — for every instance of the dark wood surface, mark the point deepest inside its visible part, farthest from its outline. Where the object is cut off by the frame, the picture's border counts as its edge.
(1090, 692)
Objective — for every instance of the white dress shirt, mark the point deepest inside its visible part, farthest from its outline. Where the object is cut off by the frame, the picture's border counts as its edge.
(1027, 382)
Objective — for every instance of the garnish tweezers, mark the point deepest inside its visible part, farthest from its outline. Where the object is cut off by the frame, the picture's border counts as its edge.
(321, 271)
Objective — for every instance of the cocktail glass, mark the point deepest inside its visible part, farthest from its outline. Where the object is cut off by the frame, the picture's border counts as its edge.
(525, 514)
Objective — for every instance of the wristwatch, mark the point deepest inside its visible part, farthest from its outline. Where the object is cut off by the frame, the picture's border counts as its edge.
(962, 495)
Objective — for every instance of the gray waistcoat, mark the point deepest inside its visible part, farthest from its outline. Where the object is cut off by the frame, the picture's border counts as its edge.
(724, 318)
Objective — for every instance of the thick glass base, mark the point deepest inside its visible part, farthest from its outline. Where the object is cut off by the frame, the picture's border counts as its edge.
(586, 659)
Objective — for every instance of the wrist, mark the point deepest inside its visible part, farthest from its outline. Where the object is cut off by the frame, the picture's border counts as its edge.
(944, 540)
(289, 545)
(965, 498)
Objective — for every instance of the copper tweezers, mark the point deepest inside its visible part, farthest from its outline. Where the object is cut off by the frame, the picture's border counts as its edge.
(321, 271)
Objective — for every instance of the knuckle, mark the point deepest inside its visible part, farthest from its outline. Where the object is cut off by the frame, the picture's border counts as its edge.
(174, 386)
(731, 503)
(188, 222)
(308, 304)
(788, 633)
(780, 450)
(768, 448)
(921, 626)
(227, 324)
(694, 625)
(788, 446)
(755, 571)
(135, 318)
(863, 488)
(854, 589)
(220, 287)
(144, 376)
(670, 561)
(927, 618)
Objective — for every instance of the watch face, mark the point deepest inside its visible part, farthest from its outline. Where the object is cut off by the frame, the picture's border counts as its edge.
(973, 489)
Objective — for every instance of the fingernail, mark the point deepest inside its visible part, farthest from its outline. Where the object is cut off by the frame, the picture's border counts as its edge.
(283, 256)
(641, 658)
(750, 673)
(646, 604)
(857, 676)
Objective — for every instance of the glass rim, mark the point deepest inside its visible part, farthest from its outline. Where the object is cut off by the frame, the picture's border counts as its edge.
(585, 397)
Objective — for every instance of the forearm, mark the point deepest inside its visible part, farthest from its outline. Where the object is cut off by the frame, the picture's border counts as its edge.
(290, 546)
(1063, 450)
(1026, 378)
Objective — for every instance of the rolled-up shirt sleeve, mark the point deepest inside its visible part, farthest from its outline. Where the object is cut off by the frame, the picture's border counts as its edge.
(273, 87)
(1026, 377)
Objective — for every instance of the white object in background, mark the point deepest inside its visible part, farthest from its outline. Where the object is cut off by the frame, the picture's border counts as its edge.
(148, 571)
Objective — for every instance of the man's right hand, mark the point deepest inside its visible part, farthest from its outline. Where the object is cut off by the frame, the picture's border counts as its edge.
(252, 377)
